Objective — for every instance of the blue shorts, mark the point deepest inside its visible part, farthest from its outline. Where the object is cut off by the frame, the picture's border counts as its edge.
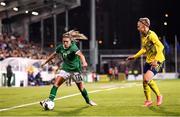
(155, 70)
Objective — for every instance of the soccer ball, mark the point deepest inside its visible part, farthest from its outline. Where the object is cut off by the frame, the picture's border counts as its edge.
(48, 105)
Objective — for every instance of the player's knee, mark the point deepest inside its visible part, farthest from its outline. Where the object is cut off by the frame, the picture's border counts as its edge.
(80, 85)
(58, 81)
(146, 79)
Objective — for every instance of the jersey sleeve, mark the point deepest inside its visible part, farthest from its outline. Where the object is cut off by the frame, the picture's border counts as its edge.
(158, 45)
(140, 52)
(75, 49)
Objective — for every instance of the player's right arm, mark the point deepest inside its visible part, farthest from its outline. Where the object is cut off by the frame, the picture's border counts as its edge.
(138, 54)
(49, 59)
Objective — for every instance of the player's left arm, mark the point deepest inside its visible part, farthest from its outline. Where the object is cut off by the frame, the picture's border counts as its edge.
(159, 49)
(82, 58)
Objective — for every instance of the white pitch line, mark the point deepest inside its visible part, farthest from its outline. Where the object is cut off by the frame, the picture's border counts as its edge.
(29, 104)
(64, 97)
(111, 88)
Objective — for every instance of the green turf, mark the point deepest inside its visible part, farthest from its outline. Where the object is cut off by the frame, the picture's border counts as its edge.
(125, 101)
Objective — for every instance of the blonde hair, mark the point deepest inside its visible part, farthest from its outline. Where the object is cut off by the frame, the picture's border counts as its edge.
(75, 35)
(145, 21)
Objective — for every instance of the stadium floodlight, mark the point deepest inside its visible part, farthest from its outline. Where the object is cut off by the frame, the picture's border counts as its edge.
(3, 3)
(100, 42)
(114, 42)
(165, 23)
(15, 8)
(166, 15)
(35, 13)
(26, 11)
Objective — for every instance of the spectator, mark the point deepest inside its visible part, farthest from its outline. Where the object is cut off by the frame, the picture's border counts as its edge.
(116, 73)
(110, 73)
(126, 72)
(10, 46)
(9, 75)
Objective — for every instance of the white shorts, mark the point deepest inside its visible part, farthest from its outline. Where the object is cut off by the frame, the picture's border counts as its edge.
(76, 76)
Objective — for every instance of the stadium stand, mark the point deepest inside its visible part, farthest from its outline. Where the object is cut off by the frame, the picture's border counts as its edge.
(11, 46)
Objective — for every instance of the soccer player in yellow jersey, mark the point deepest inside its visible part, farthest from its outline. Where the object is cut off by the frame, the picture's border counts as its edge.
(153, 49)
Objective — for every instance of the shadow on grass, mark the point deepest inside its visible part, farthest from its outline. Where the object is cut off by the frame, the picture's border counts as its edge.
(163, 111)
(73, 112)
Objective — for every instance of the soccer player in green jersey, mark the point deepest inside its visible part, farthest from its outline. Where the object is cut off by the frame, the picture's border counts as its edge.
(71, 67)
(153, 49)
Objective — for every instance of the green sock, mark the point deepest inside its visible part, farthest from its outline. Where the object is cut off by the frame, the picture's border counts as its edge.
(152, 84)
(53, 93)
(85, 95)
(147, 91)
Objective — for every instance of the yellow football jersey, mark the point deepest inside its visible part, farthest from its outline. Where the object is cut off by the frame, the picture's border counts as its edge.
(151, 47)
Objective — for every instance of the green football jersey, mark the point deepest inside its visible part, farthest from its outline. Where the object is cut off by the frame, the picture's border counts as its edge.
(71, 61)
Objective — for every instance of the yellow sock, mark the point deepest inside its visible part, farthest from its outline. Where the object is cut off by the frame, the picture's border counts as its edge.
(152, 84)
(147, 91)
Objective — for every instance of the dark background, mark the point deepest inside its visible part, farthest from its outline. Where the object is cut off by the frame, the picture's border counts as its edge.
(116, 22)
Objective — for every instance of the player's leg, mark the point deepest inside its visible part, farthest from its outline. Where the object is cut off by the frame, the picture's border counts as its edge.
(79, 82)
(152, 84)
(147, 90)
(155, 89)
(85, 94)
(83, 91)
(58, 82)
(60, 79)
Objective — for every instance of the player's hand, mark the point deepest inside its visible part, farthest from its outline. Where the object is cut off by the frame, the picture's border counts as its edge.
(130, 58)
(154, 64)
(42, 65)
(84, 69)
(84, 66)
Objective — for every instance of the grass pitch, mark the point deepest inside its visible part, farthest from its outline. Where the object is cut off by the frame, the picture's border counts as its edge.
(113, 99)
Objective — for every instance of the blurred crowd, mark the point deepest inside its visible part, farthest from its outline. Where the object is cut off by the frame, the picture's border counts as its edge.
(16, 46)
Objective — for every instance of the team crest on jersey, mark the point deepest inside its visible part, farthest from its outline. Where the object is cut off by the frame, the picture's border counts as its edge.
(65, 54)
(68, 52)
